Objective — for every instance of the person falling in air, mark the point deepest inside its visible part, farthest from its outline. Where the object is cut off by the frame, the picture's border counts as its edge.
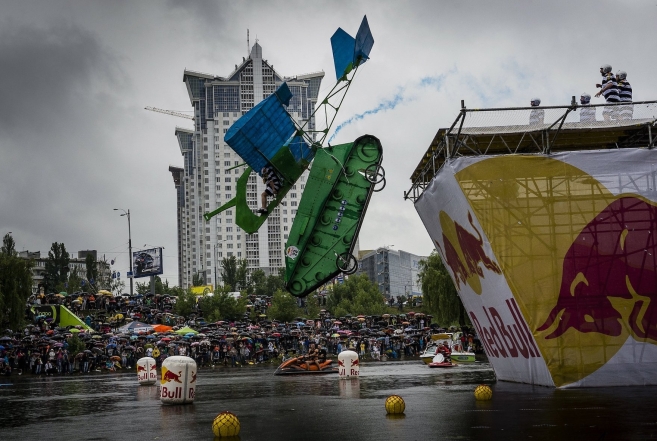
(272, 184)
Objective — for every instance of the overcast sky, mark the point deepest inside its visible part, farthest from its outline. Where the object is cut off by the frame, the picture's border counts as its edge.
(75, 76)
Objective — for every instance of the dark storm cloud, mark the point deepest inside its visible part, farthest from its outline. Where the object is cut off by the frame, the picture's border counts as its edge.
(53, 84)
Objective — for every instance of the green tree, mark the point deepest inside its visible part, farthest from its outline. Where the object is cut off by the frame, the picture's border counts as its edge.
(74, 282)
(357, 295)
(439, 296)
(234, 274)
(57, 267)
(198, 279)
(160, 288)
(185, 303)
(222, 305)
(15, 285)
(92, 269)
(75, 346)
(276, 282)
(283, 306)
(258, 283)
(312, 306)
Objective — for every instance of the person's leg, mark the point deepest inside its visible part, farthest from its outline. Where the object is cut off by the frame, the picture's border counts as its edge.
(263, 199)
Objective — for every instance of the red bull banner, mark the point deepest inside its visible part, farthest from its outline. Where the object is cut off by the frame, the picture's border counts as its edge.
(554, 260)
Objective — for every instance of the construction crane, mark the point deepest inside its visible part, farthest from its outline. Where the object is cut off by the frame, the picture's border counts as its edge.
(169, 112)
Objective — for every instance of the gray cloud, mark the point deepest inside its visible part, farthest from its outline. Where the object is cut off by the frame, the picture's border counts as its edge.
(75, 75)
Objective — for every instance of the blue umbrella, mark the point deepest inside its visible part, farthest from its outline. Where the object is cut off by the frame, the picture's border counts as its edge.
(2, 348)
(110, 346)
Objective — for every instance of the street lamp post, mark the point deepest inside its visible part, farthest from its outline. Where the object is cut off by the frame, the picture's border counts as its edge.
(127, 214)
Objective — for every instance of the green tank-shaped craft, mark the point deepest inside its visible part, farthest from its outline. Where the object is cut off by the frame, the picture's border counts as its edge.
(330, 214)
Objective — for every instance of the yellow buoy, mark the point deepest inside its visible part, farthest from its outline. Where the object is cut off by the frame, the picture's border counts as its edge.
(395, 404)
(483, 393)
(226, 424)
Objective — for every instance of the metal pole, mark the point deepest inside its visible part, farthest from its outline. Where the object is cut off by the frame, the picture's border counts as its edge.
(153, 285)
(215, 266)
(130, 253)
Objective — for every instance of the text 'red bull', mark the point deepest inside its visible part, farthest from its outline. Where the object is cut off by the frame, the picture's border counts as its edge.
(467, 253)
(503, 340)
(612, 257)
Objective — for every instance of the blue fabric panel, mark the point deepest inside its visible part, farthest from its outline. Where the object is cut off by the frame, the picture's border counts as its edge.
(300, 149)
(263, 130)
(364, 41)
(343, 51)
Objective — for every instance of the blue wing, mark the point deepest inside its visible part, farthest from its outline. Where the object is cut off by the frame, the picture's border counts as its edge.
(348, 52)
(364, 41)
(259, 134)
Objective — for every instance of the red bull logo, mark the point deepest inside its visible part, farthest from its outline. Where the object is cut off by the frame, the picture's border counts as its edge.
(141, 368)
(463, 252)
(609, 268)
(502, 340)
(168, 376)
(193, 378)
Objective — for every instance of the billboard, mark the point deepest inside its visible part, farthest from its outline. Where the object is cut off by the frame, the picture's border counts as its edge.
(202, 290)
(554, 259)
(147, 262)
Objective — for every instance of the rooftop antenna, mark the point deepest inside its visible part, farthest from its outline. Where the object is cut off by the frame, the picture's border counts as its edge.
(248, 44)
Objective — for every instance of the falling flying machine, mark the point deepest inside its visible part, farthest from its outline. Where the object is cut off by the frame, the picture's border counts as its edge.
(267, 136)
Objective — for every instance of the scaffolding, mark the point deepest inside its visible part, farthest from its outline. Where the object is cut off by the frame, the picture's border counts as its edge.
(537, 131)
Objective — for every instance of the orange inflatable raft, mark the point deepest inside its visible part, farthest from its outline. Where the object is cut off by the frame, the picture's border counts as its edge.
(300, 366)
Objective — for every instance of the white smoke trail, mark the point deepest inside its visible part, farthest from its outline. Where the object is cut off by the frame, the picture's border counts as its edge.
(389, 104)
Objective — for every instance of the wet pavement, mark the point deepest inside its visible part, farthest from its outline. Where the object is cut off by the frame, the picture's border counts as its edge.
(439, 405)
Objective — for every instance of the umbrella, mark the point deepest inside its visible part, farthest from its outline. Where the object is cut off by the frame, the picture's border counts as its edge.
(186, 330)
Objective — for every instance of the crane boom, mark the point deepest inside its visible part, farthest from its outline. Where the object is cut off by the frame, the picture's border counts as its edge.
(169, 112)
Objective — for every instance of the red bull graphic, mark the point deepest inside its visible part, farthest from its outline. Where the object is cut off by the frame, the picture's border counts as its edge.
(146, 371)
(168, 376)
(464, 253)
(348, 364)
(503, 340)
(178, 380)
(612, 258)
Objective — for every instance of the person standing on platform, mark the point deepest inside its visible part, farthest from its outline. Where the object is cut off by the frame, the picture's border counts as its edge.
(625, 95)
(586, 112)
(537, 116)
(608, 89)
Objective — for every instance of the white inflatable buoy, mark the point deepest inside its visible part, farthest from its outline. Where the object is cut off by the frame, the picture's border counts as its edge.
(348, 364)
(439, 358)
(178, 382)
(146, 370)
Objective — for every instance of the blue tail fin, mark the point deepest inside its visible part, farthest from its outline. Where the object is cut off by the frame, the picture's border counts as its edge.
(348, 52)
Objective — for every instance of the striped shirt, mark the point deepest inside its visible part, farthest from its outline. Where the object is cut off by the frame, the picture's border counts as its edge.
(624, 91)
(611, 94)
(269, 175)
(586, 113)
(536, 117)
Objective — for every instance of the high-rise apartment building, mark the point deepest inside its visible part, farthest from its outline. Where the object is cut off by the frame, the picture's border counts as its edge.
(211, 169)
(394, 272)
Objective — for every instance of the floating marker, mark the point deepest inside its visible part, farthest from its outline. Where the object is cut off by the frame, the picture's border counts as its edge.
(146, 371)
(178, 382)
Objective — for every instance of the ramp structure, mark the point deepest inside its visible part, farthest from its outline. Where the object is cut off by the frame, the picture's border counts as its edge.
(547, 224)
(60, 315)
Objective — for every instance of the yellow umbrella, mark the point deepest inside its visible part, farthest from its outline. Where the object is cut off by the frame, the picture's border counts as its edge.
(104, 292)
